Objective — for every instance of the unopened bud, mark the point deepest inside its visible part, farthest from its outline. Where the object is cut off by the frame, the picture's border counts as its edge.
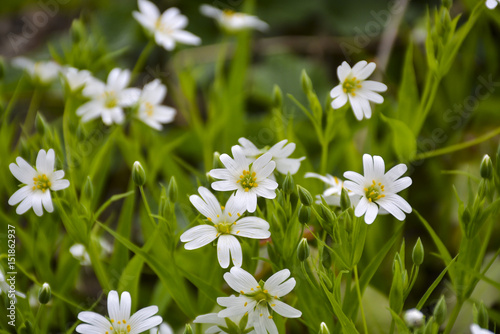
(172, 190)
(414, 318)
(305, 196)
(188, 329)
(418, 253)
(138, 174)
(288, 184)
(303, 250)
(480, 315)
(327, 214)
(323, 329)
(216, 161)
(486, 167)
(77, 31)
(44, 293)
(345, 200)
(440, 311)
(88, 188)
(304, 214)
(277, 97)
(306, 82)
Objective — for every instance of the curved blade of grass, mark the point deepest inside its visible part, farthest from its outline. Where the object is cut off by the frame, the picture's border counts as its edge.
(433, 286)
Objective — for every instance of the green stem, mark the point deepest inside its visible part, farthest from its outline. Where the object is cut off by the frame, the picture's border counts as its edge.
(35, 103)
(38, 313)
(148, 210)
(324, 156)
(359, 299)
(142, 59)
(453, 316)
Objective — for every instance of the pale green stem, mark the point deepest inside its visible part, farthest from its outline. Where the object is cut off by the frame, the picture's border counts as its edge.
(142, 59)
(365, 328)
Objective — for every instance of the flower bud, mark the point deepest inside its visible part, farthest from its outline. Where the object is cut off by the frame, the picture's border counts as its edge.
(306, 82)
(138, 174)
(414, 318)
(327, 214)
(305, 196)
(418, 253)
(44, 293)
(486, 167)
(216, 161)
(480, 315)
(304, 214)
(303, 250)
(288, 184)
(88, 189)
(277, 97)
(345, 200)
(323, 329)
(77, 31)
(188, 329)
(326, 258)
(440, 311)
(172, 190)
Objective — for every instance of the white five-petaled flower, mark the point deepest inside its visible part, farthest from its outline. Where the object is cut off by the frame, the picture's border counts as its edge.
(280, 154)
(76, 78)
(119, 321)
(258, 299)
(226, 225)
(42, 71)
(164, 328)
(108, 99)
(150, 111)
(475, 329)
(38, 183)
(233, 21)
(355, 88)
(167, 28)
(220, 323)
(492, 4)
(334, 190)
(378, 190)
(248, 179)
(414, 318)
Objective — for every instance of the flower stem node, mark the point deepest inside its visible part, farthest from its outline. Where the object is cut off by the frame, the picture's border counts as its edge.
(418, 253)
(486, 168)
(440, 311)
(304, 214)
(304, 196)
(44, 294)
(303, 250)
(138, 174)
(323, 329)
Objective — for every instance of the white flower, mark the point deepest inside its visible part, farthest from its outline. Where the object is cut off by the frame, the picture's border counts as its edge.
(475, 329)
(378, 190)
(120, 320)
(80, 253)
(38, 183)
(108, 99)
(5, 286)
(220, 323)
(280, 153)
(355, 88)
(233, 21)
(226, 225)
(76, 78)
(258, 299)
(492, 4)
(42, 71)
(333, 192)
(150, 111)
(163, 329)
(167, 27)
(249, 180)
(414, 318)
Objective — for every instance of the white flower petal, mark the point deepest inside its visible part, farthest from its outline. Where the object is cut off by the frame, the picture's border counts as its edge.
(356, 107)
(371, 213)
(374, 86)
(113, 305)
(25, 205)
(59, 185)
(19, 195)
(343, 71)
(198, 236)
(47, 201)
(364, 72)
(228, 248)
(240, 280)
(340, 101)
(285, 310)
(36, 202)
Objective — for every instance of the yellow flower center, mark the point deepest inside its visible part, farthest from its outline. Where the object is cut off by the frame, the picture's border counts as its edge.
(110, 100)
(248, 180)
(228, 12)
(223, 228)
(119, 327)
(350, 85)
(41, 182)
(149, 109)
(375, 191)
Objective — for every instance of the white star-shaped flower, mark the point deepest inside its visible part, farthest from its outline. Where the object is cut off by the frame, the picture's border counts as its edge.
(378, 190)
(233, 21)
(38, 183)
(108, 99)
(119, 321)
(164, 328)
(355, 88)
(248, 179)
(492, 4)
(43, 72)
(76, 78)
(334, 190)
(227, 225)
(280, 154)
(166, 28)
(150, 111)
(260, 300)
(414, 318)
(220, 323)
(475, 329)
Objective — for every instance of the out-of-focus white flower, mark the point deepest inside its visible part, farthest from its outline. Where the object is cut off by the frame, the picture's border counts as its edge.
(150, 111)
(166, 28)
(280, 153)
(41, 71)
(80, 253)
(233, 21)
(227, 225)
(220, 323)
(120, 320)
(334, 190)
(38, 183)
(492, 4)
(379, 189)
(5, 286)
(108, 99)
(355, 88)
(414, 318)
(76, 78)
(475, 329)
(248, 179)
(258, 299)
(164, 328)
